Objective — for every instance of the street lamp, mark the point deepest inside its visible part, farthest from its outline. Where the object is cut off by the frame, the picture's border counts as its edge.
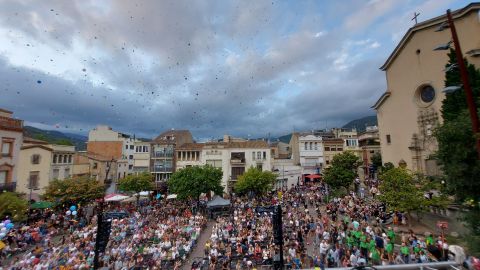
(451, 89)
(464, 75)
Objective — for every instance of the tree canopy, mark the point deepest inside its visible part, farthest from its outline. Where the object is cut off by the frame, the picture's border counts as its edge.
(398, 191)
(13, 206)
(255, 180)
(343, 170)
(376, 160)
(74, 190)
(136, 183)
(191, 182)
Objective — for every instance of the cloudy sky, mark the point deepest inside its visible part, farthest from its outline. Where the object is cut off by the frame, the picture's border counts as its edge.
(213, 67)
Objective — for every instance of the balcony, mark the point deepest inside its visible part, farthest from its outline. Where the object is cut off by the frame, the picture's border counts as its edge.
(8, 187)
(161, 169)
(7, 123)
(162, 154)
(312, 165)
(240, 161)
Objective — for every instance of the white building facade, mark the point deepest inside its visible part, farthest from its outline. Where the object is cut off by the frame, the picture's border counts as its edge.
(311, 153)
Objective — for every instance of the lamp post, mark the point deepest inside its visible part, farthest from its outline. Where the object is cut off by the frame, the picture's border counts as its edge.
(464, 75)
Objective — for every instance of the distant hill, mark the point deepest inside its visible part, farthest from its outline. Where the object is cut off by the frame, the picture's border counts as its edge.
(57, 137)
(361, 123)
(285, 138)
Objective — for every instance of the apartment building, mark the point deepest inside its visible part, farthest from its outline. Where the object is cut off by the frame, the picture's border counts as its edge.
(311, 153)
(11, 137)
(332, 147)
(141, 157)
(369, 142)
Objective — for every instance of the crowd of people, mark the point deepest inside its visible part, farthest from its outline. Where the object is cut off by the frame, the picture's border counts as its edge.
(154, 235)
(318, 232)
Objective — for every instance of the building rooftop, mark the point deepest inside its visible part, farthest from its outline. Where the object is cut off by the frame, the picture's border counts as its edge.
(172, 136)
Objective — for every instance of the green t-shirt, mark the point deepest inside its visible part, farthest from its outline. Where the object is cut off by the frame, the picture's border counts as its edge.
(391, 234)
(429, 240)
(372, 245)
(389, 248)
(364, 244)
(375, 255)
(405, 250)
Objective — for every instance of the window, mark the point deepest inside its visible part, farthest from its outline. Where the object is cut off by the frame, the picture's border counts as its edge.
(327, 148)
(126, 146)
(65, 159)
(145, 148)
(306, 146)
(260, 167)
(237, 171)
(131, 147)
(217, 163)
(70, 159)
(316, 147)
(389, 139)
(60, 158)
(54, 158)
(3, 177)
(311, 145)
(327, 161)
(427, 93)
(259, 155)
(253, 155)
(6, 149)
(67, 173)
(264, 155)
(33, 180)
(36, 159)
(95, 165)
(55, 173)
(137, 149)
(339, 149)
(130, 167)
(130, 157)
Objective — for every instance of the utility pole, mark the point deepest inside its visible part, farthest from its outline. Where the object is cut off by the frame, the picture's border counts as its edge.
(472, 108)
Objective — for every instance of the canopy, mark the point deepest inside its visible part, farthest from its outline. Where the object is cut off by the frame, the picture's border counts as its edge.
(41, 205)
(115, 197)
(218, 202)
(171, 196)
(313, 176)
(143, 193)
(133, 199)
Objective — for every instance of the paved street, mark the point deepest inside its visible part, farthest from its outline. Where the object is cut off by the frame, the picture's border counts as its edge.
(198, 251)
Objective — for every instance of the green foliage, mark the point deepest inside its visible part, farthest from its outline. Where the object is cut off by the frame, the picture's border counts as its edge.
(472, 218)
(63, 142)
(74, 190)
(376, 160)
(13, 206)
(41, 137)
(456, 102)
(343, 170)
(398, 191)
(190, 182)
(136, 183)
(255, 180)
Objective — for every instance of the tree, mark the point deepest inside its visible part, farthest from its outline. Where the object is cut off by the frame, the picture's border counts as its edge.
(399, 192)
(256, 181)
(343, 170)
(64, 142)
(136, 183)
(456, 147)
(387, 166)
(191, 182)
(13, 206)
(376, 160)
(74, 190)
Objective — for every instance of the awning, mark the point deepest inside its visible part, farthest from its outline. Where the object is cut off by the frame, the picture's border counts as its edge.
(115, 197)
(41, 205)
(171, 196)
(313, 176)
(218, 202)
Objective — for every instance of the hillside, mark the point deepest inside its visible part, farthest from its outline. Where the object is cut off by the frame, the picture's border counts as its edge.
(361, 123)
(56, 137)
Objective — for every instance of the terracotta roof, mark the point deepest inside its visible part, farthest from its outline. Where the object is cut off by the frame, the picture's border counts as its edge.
(332, 140)
(6, 111)
(32, 140)
(36, 146)
(190, 146)
(96, 157)
(426, 24)
(174, 133)
(247, 144)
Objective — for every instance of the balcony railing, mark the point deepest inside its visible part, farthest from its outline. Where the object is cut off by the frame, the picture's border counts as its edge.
(11, 123)
(161, 169)
(312, 165)
(162, 154)
(8, 187)
(237, 161)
